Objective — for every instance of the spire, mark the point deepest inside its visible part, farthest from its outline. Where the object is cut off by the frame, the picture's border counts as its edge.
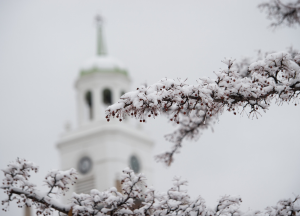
(100, 43)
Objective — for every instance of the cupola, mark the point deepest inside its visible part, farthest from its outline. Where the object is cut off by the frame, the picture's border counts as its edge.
(102, 81)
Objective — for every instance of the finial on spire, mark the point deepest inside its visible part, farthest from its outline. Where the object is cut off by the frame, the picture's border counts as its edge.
(100, 43)
(99, 20)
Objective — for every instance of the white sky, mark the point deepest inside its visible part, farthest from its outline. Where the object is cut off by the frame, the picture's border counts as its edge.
(43, 44)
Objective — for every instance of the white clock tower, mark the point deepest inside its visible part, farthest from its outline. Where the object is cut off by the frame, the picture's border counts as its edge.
(98, 149)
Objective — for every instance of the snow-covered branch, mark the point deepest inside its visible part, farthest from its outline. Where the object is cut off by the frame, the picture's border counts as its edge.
(282, 13)
(17, 186)
(175, 201)
(194, 107)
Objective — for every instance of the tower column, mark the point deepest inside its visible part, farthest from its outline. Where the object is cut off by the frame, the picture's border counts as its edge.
(27, 211)
(96, 99)
(116, 94)
(80, 110)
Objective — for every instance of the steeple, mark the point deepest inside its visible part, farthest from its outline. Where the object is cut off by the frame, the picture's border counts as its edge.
(100, 150)
(100, 43)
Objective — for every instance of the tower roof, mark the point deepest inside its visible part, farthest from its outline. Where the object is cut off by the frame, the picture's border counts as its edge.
(101, 63)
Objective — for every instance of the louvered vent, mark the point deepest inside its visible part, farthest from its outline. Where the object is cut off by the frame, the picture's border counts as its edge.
(85, 185)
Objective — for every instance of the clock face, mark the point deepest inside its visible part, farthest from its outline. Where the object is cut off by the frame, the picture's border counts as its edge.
(135, 164)
(85, 165)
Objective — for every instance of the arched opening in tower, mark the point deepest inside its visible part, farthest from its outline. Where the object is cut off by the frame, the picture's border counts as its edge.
(89, 103)
(107, 97)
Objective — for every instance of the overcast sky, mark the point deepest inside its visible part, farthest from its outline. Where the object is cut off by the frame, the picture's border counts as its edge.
(44, 43)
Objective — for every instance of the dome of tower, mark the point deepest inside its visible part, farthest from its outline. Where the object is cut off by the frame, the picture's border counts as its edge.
(102, 64)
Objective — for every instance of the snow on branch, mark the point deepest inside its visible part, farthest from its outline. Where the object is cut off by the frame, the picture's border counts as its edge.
(17, 186)
(282, 13)
(236, 89)
(175, 201)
